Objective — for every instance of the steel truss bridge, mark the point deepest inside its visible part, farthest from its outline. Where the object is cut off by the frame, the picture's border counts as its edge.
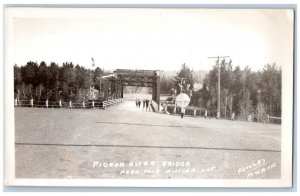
(113, 84)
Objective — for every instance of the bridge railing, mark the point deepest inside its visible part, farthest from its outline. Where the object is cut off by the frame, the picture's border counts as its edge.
(110, 103)
(68, 104)
(155, 106)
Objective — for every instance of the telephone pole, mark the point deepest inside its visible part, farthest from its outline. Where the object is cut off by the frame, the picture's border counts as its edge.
(219, 85)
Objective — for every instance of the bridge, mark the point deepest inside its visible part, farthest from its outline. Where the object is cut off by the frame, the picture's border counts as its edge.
(114, 83)
(126, 142)
(112, 86)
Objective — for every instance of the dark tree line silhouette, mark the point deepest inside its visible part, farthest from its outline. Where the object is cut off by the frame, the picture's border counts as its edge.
(243, 91)
(54, 82)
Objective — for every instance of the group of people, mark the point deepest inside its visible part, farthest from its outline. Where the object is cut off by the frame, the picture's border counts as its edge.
(146, 104)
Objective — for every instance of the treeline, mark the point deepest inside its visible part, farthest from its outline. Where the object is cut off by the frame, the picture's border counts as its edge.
(243, 91)
(54, 82)
(168, 78)
(166, 81)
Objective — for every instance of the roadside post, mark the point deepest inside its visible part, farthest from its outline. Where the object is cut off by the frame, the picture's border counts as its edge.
(183, 101)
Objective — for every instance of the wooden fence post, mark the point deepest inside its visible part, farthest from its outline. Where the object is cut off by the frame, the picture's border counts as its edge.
(195, 111)
(83, 104)
(70, 104)
(93, 104)
(59, 102)
(232, 115)
(47, 103)
(16, 102)
(31, 102)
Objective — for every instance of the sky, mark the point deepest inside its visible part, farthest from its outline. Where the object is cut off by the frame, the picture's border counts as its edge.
(159, 39)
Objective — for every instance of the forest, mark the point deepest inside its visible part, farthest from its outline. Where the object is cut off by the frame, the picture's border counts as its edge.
(243, 91)
(54, 82)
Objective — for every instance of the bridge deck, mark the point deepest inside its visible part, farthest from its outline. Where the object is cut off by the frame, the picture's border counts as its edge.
(64, 143)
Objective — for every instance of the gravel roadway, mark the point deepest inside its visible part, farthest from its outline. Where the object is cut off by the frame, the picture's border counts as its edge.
(126, 142)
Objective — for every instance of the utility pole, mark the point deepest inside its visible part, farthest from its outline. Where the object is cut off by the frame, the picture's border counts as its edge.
(93, 64)
(100, 85)
(219, 85)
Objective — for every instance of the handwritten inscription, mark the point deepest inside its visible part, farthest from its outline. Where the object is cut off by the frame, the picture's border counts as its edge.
(108, 164)
(153, 167)
(142, 164)
(256, 168)
(252, 166)
(175, 164)
(261, 170)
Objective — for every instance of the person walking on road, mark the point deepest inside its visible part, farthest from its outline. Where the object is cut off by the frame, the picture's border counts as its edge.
(139, 102)
(147, 105)
(182, 112)
(144, 105)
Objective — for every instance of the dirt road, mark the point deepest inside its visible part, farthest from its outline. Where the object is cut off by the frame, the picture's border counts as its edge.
(125, 142)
